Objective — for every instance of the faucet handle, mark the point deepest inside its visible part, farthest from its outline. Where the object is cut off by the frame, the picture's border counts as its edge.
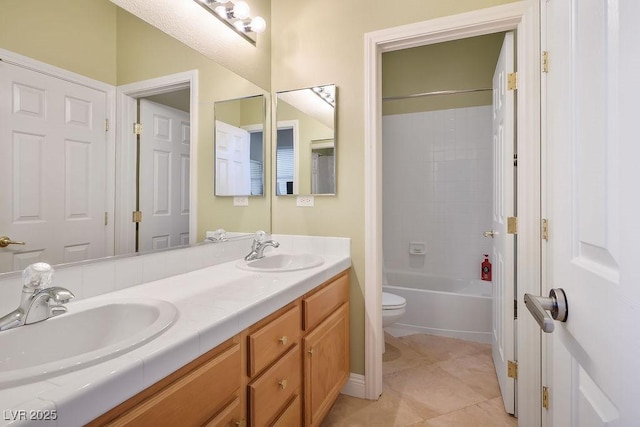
(260, 236)
(37, 276)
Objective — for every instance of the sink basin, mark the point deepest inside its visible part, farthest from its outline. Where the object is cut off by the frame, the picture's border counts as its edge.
(86, 335)
(282, 262)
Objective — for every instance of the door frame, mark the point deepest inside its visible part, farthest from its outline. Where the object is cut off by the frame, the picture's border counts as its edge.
(127, 96)
(524, 17)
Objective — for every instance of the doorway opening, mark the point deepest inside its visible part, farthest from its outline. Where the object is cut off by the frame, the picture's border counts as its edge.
(151, 176)
(524, 18)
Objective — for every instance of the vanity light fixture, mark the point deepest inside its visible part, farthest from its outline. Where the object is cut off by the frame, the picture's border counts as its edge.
(327, 93)
(236, 15)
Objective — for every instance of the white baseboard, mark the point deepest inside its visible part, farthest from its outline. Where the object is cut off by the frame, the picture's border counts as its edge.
(354, 386)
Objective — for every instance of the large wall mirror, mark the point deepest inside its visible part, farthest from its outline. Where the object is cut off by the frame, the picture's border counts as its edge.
(306, 141)
(239, 147)
(72, 200)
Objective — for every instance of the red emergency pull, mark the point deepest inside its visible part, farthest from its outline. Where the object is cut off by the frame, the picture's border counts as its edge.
(486, 269)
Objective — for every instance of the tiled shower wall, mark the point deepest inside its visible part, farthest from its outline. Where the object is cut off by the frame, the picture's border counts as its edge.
(437, 179)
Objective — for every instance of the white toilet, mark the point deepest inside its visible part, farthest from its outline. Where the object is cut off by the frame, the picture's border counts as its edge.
(393, 308)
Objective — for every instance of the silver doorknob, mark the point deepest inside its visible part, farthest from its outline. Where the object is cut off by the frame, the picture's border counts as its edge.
(556, 303)
(489, 233)
(6, 241)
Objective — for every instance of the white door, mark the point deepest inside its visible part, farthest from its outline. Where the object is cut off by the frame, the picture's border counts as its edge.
(164, 177)
(502, 258)
(593, 250)
(233, 160)
(53, 142)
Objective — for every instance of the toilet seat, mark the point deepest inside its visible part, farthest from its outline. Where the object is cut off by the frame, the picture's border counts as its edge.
(392, 302)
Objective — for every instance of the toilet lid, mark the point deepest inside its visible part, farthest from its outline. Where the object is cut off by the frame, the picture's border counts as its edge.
(391, 301)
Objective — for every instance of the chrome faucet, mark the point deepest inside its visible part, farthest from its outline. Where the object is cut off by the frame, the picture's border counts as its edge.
(38, 301)
(258, 246)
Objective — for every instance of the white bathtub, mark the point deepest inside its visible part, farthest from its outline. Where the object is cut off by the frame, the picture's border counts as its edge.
(441, 306)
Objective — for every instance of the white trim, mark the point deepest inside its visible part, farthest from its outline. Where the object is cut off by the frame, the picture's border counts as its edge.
(485, 21)
(110, 92)
(354, 386)
(125, 178)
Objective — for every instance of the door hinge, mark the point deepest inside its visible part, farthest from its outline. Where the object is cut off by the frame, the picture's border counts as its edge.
(512, 369)
(106, 125)
(512, 81)
(515, 160)
(137, 129)
(545, 229)
(515, 308)
(545, 61)
(545, 397)
(137, 216)
(512, 225)
(106, 218)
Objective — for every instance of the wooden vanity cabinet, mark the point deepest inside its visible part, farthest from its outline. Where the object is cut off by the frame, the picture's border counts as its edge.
(207, 391)
(325, 347)
(274, 368)
(285, 370)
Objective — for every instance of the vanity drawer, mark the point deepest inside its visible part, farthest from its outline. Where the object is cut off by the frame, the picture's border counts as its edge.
(292, 415)
(194, 398)
(231, 416)
(271, 390)
(272, 340)
(320, 304)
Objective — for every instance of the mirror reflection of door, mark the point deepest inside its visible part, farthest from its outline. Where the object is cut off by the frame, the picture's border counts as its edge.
(53, 141)
(163, 179)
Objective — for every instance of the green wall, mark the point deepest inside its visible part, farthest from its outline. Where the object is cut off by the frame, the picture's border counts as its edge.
(460, 64)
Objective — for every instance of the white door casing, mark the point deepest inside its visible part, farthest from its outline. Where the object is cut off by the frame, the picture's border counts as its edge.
(523, 16)
(56, 190)
(164, 157)
(503, 330)
(594, 245)
(232, 160)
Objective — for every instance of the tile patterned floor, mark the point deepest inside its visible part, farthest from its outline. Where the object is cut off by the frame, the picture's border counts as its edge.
(430, 381)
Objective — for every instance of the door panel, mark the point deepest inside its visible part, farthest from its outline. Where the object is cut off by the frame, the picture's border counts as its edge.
(591, 358)
(53, 135)
(503, 344)
(164, 177)
(233, 165)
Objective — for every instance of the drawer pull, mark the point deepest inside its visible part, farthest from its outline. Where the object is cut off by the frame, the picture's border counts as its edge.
(283, 340)
(283, 383)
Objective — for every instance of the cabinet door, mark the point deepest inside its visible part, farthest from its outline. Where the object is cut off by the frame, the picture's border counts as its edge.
(326, 364)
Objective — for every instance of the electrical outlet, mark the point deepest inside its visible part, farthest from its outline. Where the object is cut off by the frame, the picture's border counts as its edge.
(305, 201)
(240, 201)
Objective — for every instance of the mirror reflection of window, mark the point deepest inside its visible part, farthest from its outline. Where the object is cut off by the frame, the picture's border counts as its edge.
(285, 155)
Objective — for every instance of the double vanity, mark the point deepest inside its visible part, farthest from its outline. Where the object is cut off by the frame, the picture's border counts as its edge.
(260, 342)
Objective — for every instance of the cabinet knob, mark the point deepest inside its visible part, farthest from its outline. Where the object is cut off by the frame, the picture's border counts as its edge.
(283, 340)
(282, 384)
(310, 352)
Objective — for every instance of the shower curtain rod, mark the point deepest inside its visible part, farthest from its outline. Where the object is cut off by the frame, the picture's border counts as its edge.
(438, 92)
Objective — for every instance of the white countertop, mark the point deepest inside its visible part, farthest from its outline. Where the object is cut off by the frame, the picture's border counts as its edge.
(213, 303)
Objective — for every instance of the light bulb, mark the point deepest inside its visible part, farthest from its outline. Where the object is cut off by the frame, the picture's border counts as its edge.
(241, 10)
(221, 10)
(240, 26)
(258, 24)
